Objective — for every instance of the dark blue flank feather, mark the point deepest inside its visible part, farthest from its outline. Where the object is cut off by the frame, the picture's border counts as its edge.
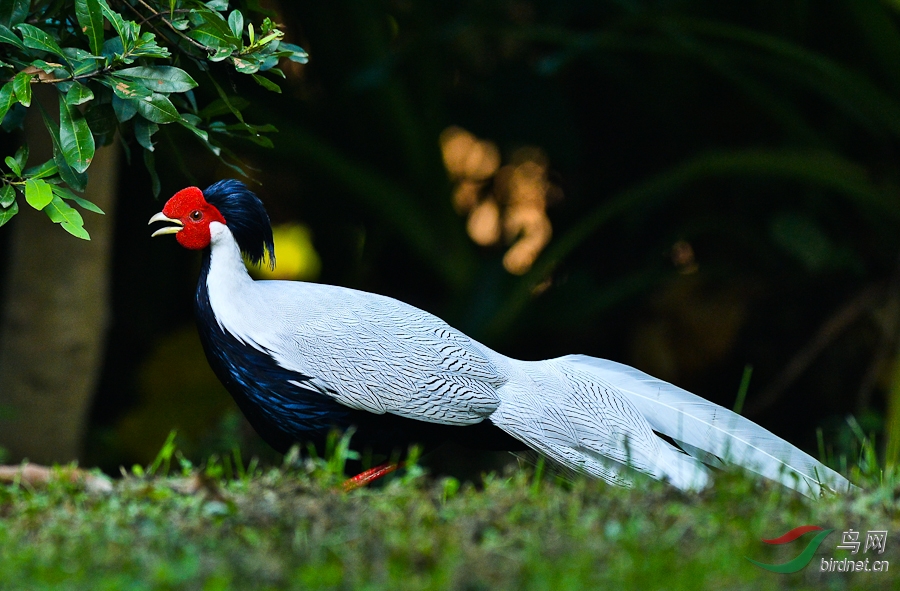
(281, 412)
(246, 217)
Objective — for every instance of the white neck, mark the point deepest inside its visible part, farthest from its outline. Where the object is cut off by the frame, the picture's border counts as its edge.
(227, 279)
(226, 267)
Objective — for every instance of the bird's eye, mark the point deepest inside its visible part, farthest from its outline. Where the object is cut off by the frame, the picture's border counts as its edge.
(196, 215)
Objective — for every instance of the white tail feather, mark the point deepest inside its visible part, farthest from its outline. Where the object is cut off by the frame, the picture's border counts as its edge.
(701, 427)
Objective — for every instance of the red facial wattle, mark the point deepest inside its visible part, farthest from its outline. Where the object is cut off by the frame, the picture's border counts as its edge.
(190, 208)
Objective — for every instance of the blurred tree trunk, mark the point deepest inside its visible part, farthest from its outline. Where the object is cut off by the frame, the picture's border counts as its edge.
(55, 313)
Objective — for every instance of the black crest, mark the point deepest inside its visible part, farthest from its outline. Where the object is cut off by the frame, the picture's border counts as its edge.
(246, 217)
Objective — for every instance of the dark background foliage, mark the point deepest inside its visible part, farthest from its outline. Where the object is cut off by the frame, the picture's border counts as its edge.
(723, 194)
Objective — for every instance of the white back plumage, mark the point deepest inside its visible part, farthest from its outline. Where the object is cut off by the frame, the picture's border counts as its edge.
(377, 354)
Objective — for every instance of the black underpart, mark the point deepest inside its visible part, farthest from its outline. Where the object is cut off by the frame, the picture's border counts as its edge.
(284, 413)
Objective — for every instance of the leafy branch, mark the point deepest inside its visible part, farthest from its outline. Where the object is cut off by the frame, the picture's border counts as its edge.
(125, 83)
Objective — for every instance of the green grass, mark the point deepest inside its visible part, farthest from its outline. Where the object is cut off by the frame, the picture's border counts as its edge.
(292, 528)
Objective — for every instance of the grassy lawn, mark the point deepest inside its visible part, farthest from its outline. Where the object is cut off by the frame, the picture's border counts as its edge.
(293, 528)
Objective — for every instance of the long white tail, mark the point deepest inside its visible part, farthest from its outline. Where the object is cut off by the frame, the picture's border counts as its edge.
(603, 417)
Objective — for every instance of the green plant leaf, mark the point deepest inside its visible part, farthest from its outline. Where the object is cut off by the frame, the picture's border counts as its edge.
(126, 89)
(10, 38)
(38, 193)
(203, 135)
(22, 86)
(78, 94)
(220, 107)
(76, 231)
(7, 98)
(8, 213)
(13, 165)
(76, 180)
(150, 163)
(35, 38)
(143, 133)
(215, 36)
(75, 137)
(236, 23)
(115, 19)
(297, 53)
(41, 171)
(7, 196)
(266, 83)
(90, 19)
(157, 108)
(124, 109)
(246, 64)
(21, 156)
(85, 66)
(59, 211)
(13, 12)
(160, 78)
(84, 203)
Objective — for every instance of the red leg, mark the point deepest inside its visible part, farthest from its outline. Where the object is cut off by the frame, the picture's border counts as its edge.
(370, 475)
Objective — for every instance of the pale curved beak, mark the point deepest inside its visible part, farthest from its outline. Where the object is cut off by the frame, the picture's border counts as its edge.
(178, 227)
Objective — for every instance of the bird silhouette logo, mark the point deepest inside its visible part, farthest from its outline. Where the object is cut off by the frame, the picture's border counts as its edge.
(804, 558)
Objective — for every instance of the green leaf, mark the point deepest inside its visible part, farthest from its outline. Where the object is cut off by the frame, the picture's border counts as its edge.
(45, 66)
(246, 65)
(84, 203)
(266, 83)
(160, 78)
(215, 36)
(35, 38)
(7, 98)
(222, 53)
(78, 94)
(158, 109)
(42, 171)
(13, 12)
(125, 109)
(38, 193)
(76, 231)
(236, 23)
(13, 165)
(187, 124)
(10, 38)
(150, 163)
(75, 137)
(101, 119)
(21, 156)
(297, 53)
(143, 133)
(260, 140)
(22, 86)
(76, 180)
(90, 19)
(115, 19)
(86, 66)
(59, 211)
(126, 89)
(8, 213)
(7, 196)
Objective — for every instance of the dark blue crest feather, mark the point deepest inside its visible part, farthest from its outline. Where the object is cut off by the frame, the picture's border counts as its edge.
(246, 217)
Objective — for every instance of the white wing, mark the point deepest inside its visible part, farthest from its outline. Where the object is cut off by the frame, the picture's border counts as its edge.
(367, 351)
